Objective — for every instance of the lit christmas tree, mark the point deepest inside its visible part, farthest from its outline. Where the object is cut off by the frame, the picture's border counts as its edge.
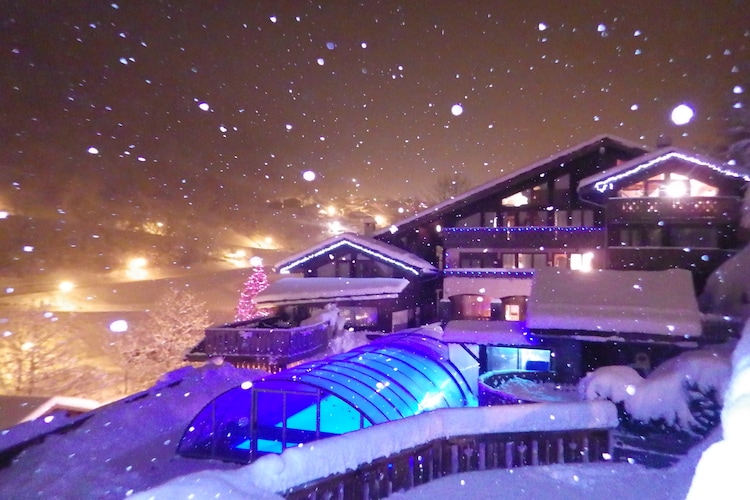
(247, 308)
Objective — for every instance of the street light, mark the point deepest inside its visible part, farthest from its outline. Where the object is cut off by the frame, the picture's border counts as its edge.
(66, 286)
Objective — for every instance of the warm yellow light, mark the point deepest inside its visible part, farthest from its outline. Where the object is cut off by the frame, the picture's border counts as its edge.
(137, 263)
(137, 268)
(586, 262)
(676, 189)
(66, 286)
(331, 210)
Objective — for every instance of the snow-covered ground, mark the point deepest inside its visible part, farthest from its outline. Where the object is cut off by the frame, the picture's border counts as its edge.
(127, 449)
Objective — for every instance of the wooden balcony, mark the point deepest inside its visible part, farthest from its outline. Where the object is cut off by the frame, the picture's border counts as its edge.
(651, 210)
(268, 347)
(524, 237)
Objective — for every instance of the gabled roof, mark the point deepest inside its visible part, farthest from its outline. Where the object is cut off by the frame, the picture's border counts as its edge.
(529, 172)
(643, 166)
(377, 249)
(314, 290)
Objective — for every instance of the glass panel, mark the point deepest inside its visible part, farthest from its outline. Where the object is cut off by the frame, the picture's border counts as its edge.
(337, 417)
(509, 261)
(351, 391)
(502, 358)
(539, 260)
(377, 384)
(512, 312)
(490, 219)
(575, 218)
(516, 200)
(561, 218)
(473, 220)
(359, 317)
(535, 359)
(525, 260)
(221, 429)
(706, 237)
(560, 260)
(637, 190)
(539, 195)
(697, 188)
(588, 218)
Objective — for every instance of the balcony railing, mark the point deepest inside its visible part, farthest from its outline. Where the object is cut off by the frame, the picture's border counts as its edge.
(524, 237)
(283, 344)
(717, 209)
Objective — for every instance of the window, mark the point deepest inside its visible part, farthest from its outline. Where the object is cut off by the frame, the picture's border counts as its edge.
(512, 312)
(524, 260)
(359, 317)
(471, 307)
(473, 220)
(469, 260)
(560, 260)
(515, 359)
(575, 261)
(536, 196)
(581, 261)
(672, 185)
(564, 218)
(706, 237)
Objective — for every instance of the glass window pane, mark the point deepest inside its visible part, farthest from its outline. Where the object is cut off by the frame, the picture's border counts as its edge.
(525, 260)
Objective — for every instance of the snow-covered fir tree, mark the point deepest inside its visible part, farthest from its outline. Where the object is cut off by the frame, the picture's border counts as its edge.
(247, 308)
(159, 343)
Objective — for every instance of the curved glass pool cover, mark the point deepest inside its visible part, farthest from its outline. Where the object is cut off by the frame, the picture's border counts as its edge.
(394, 377)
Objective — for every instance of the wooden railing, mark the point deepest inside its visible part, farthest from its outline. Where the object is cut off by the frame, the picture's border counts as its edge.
(720, 209)
(523, 237)
(444, 457)
(279, 345)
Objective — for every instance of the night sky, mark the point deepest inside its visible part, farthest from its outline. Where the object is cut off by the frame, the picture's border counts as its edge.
(243, 97)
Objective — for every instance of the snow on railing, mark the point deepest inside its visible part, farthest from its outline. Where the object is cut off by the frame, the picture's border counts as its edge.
(570, 432)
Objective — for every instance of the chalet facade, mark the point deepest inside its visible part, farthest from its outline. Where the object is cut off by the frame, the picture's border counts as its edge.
(373, 284)
(604, 204)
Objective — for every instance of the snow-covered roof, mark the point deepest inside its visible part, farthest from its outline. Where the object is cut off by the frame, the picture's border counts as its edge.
(17, 409)
(604, 181)
(543, 164)
(728, 288)
(307, 290)
(602, 302)
(507, 333)
(378, 249)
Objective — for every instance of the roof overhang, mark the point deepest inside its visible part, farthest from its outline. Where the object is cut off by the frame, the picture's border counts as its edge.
(610, 180)
(378, 250)
(288, 291)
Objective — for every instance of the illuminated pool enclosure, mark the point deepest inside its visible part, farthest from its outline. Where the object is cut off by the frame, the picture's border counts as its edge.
(398, 376)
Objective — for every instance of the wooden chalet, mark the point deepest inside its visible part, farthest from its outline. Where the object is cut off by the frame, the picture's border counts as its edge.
(374, 285)
(603, 204)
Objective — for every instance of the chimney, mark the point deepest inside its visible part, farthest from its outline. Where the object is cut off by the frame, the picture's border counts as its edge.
(369, 227)
(663, 141)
